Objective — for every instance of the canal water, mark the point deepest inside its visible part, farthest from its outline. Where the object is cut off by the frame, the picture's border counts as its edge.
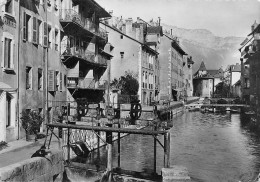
(214, 147)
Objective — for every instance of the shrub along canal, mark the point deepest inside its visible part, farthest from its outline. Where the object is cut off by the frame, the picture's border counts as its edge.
(214, 147)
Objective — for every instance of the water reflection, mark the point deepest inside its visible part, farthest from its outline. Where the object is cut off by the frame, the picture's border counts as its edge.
(214, 147)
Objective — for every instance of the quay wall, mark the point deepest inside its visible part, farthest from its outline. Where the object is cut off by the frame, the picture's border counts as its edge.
(49, 168)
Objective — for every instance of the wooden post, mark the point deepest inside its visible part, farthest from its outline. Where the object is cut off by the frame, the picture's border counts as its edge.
(68, 145)
(154, 149)
(98, 145)
(118, 146)
(167, 150)
(109, 150)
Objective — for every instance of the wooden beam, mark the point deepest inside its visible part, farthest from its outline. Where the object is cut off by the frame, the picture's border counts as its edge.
(105, 129)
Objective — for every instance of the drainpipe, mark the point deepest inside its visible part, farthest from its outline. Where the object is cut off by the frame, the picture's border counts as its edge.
(45, 58)
(18, 71)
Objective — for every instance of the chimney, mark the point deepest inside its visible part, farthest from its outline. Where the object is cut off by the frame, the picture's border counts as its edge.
(171, 31)
(159, 21)
(138, 20)
(129, 23)
(124, 28)
(254, 26)
(141, 32)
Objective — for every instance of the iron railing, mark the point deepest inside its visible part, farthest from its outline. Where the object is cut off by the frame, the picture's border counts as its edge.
(86, 23)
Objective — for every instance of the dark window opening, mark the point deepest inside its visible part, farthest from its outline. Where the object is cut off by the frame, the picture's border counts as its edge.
(9, 6)
(8, 111)
(40, 79)
(122, 55)
(28, 78)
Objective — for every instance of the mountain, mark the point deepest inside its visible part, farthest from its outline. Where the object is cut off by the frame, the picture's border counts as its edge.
(202, 44)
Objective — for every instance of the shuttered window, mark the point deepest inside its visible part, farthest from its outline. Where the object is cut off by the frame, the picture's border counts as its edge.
(25, 26)
(34, 31)
(61, 81)
(51, 80)
(45, 34)
(7, 53)
(57, 80)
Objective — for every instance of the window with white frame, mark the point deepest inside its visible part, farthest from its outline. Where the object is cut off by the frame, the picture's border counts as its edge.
(26, 26)
(8, 51)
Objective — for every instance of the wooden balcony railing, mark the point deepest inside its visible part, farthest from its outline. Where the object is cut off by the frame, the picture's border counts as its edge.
(87, 83)
(71, 15)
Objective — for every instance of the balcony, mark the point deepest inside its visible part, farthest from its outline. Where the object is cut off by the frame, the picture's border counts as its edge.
(83, 53)
(87, 83)
(74, 23)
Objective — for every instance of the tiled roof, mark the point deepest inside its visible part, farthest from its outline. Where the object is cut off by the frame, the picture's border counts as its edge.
(202, 67)
(155, 30)
(256, 30)
(235, 68)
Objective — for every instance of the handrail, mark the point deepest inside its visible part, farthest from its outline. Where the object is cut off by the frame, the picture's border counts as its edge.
(88, 83)
(110, 129)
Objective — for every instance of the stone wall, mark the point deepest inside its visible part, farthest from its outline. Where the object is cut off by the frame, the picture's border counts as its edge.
(46, 169)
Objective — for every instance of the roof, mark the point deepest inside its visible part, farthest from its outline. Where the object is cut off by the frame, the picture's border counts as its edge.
(235, 68)
(202, 67)
(177, 47)
(92, 4)
(238, 82)
(216, 73)
(155, 30)
(256, 30)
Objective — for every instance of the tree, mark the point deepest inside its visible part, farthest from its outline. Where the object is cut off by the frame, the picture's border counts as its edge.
(127, 84)
(222, 89)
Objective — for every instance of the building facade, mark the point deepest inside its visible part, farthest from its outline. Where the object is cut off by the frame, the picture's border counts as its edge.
(172, 64)
(133, 55)
(188, 76)
(9, 70)
(234, 77)
(85, 51)
(205, 81)
(41, 75)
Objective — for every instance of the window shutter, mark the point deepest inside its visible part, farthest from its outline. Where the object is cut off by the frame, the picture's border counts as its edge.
(45, 34)
(34, 34)
(60, 81)
(37, 31)
(25, 31)
(51, 81)
(65, 80)
(56, 81)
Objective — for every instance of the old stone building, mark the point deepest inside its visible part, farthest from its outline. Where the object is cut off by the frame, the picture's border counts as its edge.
(41, 73)
(9, 70)
(250, 55)
(133, 54)
(84, 49)
(205, 81)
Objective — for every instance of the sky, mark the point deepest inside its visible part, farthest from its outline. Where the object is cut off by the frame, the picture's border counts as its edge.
(221, 17)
